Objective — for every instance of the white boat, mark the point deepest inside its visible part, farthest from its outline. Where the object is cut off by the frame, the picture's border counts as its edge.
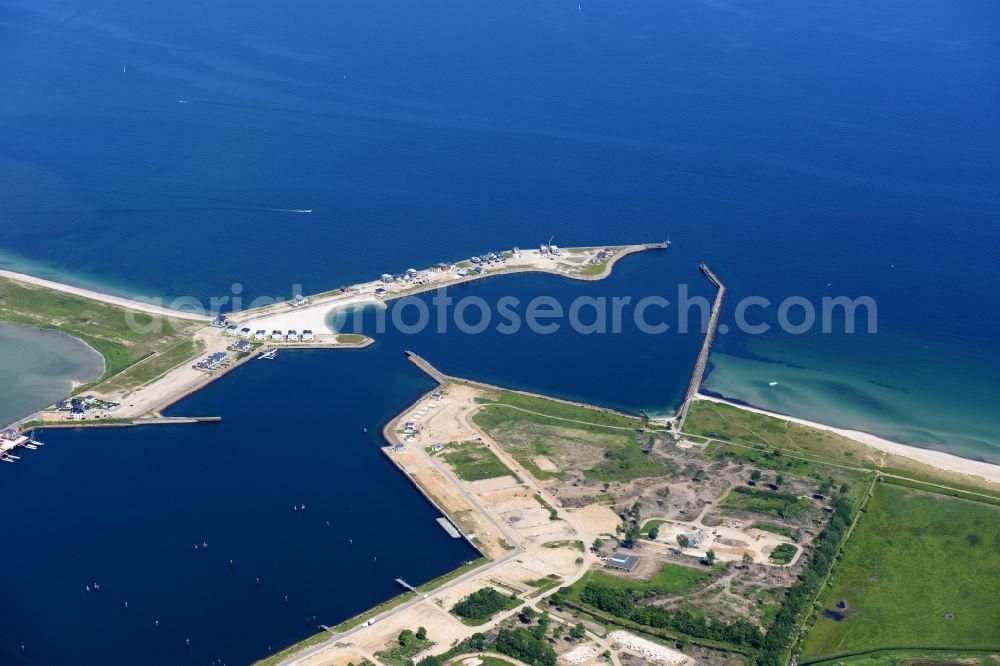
(270, 355)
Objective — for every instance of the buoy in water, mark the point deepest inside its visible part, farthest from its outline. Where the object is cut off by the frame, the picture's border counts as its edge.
(286, 599)
(156, 624)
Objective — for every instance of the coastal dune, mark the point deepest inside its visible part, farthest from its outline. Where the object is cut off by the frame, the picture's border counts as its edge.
(128, 303)
(938, 459)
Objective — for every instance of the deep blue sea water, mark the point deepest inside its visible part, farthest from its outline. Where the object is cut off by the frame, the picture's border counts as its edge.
(801, 148)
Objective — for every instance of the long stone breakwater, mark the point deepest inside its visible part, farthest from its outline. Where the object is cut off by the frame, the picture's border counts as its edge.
(706, 347)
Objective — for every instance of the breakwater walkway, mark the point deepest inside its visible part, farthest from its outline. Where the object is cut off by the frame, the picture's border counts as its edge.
(706, 347)
(428, 369)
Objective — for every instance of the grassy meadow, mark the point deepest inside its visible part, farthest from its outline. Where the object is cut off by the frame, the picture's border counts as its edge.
(773, 443)
(604, 445)
(755, 500)
(473, 461)
(920, 570)
(671, 577)
(104, 327)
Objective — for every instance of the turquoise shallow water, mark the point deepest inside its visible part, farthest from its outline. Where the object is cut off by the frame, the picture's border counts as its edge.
(39, 367)
(929, 395)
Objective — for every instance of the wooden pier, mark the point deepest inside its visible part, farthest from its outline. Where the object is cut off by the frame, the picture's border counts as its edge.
(706, 347)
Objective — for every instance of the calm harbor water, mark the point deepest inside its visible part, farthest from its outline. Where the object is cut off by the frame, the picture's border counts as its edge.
(124, 507)
(38, 367)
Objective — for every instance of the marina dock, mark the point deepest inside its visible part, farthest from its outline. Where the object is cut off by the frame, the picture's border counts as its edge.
(449, 527)
(402, 583)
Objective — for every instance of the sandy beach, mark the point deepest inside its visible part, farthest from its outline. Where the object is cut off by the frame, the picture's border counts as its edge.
(128, 303)
(314, 317)
(939, 459)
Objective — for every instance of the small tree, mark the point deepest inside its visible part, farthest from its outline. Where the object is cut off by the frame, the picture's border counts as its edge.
(406, 637)
(578, 631)
(598, 543)
(632, 535)
(683, 541)
(709, 558)
(747, 560)
(755, 475)
(421, 633)
(653, 533)
(780, 479)
(527, 615)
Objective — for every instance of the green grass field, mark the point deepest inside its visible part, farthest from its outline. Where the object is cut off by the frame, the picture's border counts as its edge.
(916, 658)
(650, 524)
(775, 529)
(782, 505)
(104, 327)
(561, 410)
(783, 553)
(913, 559)
(757, 436)
(672, 579)
(395, 654)
(493, 661)
(601, 444)
(473, 461)
(153, 367)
